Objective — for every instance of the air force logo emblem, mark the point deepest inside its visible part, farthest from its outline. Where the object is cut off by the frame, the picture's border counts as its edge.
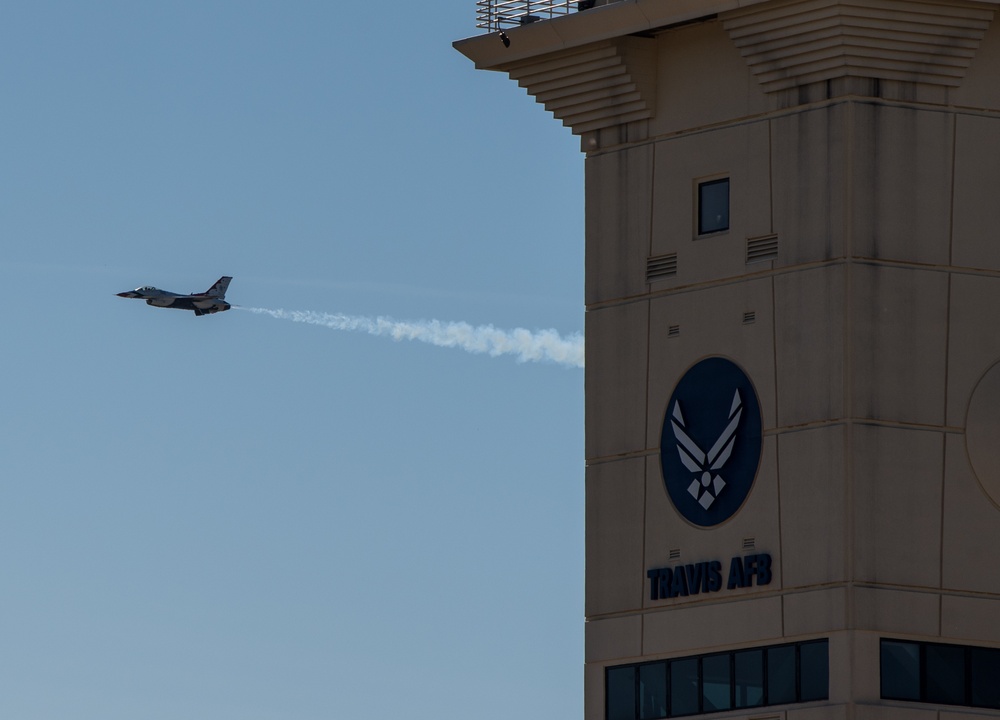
(706, 486)
(711, 442)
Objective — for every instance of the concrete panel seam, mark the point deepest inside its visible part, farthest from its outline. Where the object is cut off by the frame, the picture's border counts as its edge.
(788, 269)
(963, 110)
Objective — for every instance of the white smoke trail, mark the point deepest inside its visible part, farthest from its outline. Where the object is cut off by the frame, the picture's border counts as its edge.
(542, 345)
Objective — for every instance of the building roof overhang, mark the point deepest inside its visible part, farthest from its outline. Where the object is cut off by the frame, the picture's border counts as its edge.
(614, 20)
(597, 68)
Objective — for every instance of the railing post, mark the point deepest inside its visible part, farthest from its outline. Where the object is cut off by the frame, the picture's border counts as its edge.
(492, 14)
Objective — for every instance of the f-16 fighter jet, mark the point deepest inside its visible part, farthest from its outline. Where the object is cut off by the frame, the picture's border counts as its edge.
(206, 303)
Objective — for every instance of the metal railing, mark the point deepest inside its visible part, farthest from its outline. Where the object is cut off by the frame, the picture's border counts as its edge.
(498, 14)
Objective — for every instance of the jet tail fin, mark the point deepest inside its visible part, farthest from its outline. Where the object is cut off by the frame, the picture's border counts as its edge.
(219, 289)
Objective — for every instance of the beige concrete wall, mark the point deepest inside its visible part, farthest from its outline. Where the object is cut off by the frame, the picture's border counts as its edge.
(619, 191)
(810, 166)
(900, 183)
(977, 174)
(740, 153)
(871, 349)
(686, 57)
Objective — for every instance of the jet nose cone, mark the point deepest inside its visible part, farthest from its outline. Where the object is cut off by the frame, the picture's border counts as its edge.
(128, 294)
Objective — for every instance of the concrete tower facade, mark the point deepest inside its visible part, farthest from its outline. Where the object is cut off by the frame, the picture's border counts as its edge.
(793, 359)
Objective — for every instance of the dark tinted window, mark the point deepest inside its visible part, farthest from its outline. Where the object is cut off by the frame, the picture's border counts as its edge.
(781, 675)
(985, 677)
(713, 206)
(652, 691)
(749, 669)
(754, 677)
(621, 693)
(716, 683)
(684, 687)
(814, 671)
(945, 674)
(900, 666)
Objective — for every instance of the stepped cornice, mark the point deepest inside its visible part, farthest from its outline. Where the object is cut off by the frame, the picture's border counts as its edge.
(792, 43)
(597, 86)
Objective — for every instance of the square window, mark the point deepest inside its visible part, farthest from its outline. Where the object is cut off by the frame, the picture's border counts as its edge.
(900, 668)
(945, 666)
(781, 675)
(653, 691)
(716, 683)
(684, 687)
(620, 693)
(749, 666)
(985, 669)
(713, 206)
(814, 671)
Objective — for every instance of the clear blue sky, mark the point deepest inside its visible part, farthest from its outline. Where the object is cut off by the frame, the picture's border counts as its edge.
(237, 516)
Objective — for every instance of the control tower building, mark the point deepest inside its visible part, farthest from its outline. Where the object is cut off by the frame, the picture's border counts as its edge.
(793, 348)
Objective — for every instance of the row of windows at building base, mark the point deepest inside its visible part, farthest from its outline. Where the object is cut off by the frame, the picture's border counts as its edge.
(750, 678)
(940, 674)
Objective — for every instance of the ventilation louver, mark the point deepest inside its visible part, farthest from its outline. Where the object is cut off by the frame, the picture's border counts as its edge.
(661, 267)
(762, 248)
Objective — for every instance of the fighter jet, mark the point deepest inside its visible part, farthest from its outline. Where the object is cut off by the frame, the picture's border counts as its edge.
(206, 303)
